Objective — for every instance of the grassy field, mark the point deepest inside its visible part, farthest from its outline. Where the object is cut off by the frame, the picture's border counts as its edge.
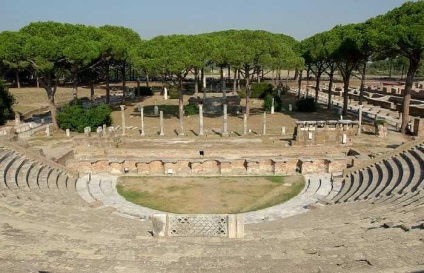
(209, 194)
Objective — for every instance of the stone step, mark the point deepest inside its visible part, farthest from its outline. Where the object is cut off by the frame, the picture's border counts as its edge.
(375, 182)
(364, 184)
(82, 190)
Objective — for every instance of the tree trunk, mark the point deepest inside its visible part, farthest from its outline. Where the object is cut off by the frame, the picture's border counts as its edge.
(196, 82)
(299, 86)
(124, 81)
(53, 110)
(37, 79)
(330, 85)
(75, 88)
(235, 81)
(346, 80)
(248, 90)
(229, 73)
(362, 88)
(308, 71)
(296, 74)
(18, 81)
(138, 82)
(287, 79)
(223, 87)
(92, 91)
(414, 62)
(317, 82)
(180, 104)
(221, 72)
(238, 81)
(147, 80)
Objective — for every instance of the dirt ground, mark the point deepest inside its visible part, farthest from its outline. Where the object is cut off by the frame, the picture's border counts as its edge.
(209, 194)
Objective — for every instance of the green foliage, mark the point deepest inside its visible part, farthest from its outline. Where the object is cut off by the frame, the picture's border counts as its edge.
(306, 105)
(6, 103)
(173, 93)
(143, 91)
(260, 90)
(191, 110)
(268, 103)
(75, 117)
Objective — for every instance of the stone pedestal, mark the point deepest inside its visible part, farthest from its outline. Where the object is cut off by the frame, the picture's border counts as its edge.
(418, 127)
(48, 133)
(156, 110)
(123, 118)
(104, 130)
(272, 107)
(68, 133)
(87, 131)
(360, 120)
(17, 118)
(141, 120)
(161, 133)
(290, 107)
(225, 130)
(165, 93)
(264, 124)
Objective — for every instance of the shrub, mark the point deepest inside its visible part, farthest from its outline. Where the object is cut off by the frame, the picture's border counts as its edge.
(173, 93)
(75, 117)
(306, 105)
(268, 103)
(6, 103)
(260, 90)
(190, 110)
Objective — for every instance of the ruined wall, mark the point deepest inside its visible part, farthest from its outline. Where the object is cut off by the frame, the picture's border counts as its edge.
(258, 166)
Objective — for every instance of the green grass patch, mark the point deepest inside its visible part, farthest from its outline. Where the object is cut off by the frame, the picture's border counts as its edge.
(293, 191)
(275, 179)
(209, 194)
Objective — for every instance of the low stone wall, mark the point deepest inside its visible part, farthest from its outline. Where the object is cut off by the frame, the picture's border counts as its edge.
(198, 225)
(312, 133)
(209, 166)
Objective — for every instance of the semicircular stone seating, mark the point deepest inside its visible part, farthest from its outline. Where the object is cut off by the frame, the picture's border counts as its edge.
(392, 187)
(30, 179)
(67, 224)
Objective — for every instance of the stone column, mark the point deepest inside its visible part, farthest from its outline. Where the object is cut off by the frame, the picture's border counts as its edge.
(283, 130)
(200, 120)
(244, 124)
(165, 93)
(181, 118)
(68, 133)
(161, 123)
(104, 130)
(272, 107)
(123, 118)
(142, 120)
(360, 120)
(17, 118)
(48, 131)
(264, 125)
(225, 132)
(290, 107)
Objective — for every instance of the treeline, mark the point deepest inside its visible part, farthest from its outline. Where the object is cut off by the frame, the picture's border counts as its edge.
(52, 51)
(395, 37)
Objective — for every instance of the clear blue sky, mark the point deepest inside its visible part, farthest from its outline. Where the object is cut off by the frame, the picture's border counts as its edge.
(297, 18)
